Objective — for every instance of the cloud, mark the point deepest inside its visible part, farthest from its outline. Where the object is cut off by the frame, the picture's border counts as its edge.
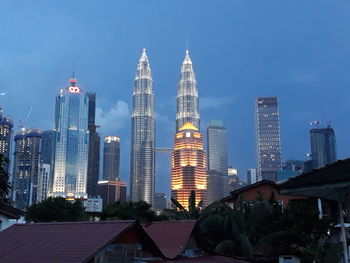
(113, 119)
(212, 102)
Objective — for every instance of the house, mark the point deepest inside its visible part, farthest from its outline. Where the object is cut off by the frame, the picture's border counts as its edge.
(261, 190)
(88, 242)
(331, 184)
(9, 216)
(176, 241)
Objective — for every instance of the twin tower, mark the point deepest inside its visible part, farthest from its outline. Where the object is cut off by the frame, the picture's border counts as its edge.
(143, 124)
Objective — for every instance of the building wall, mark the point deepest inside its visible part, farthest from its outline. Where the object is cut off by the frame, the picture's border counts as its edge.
(268, 138)
(142, 166)
(94, 148)
(6, 125)
(188, 166)
(323, 148)
(26, 167)
(264, 190)
(111, 158)
(43, 182)
(187, 100)
(72, 142)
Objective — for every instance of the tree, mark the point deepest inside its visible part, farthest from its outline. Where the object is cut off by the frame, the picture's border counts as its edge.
(56, 209)
(4, 181)
(140, 211)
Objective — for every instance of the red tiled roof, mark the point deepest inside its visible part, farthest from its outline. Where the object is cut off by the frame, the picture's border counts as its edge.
(170, 236)
(57, 242)
(205, 259)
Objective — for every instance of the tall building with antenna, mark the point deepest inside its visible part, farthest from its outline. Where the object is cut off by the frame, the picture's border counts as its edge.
(187, 100)
(72, 142)
(142, 166)
(323, 146)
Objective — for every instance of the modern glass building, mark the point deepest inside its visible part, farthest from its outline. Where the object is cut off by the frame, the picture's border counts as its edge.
(26, 167)
(142, 166)
(268, 138)
(47, 155)
(187, 100)
(188, 166)
(323, 147)
(94, 148)
(6, 125)
(72, 142)
(251, 176)
(217, 159)
(111, 158)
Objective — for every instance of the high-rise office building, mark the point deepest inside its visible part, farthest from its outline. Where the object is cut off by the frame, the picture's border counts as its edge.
(72, 142)
(268, 138)
(26, 167)
(44, 174)
(6, 125)
(142, 166)
(47, 156)
(188, 168)
(111, 158)
(323, 149)
(94, 148)
(251, 176)
(187, 100)
(112, 191)
(231, 181)
(217, 159)
(160, 201)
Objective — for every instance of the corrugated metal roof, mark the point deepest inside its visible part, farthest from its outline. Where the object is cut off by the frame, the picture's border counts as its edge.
(57, 242)
(170, 236)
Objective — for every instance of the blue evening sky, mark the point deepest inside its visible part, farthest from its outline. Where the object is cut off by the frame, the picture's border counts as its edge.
(295, 49)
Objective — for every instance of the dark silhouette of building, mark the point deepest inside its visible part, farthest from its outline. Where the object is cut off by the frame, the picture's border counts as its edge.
(6, 125)
(111, 158)
(94, 148)
(160, 201)
(323, 149)
(112, 191)
(26, 167)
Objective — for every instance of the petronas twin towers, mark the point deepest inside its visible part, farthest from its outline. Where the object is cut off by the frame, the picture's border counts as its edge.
(142, 161)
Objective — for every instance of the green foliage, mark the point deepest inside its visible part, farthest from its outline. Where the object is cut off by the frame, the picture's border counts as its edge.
(261, 228)
(56, 209)
(140, 211)
(4, 181)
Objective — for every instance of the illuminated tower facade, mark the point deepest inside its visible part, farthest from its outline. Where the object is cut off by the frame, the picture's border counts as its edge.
(72, 142)
(188, 171)
(6, 125)
(268, 138)
(187, 101)
(142, 166)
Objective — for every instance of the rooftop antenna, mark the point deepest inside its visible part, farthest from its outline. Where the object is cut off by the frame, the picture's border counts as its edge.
(187, 46)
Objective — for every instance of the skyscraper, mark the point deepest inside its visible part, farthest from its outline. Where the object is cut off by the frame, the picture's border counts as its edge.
(217, 159)
(268, 138)
(188, 166)
(323, 149)
(72, 142)
(6, 125)
(94, 148)
(143, 135)
(187, 100)
(26, 167)
(111, 158)
(47, 160)
(251, 176)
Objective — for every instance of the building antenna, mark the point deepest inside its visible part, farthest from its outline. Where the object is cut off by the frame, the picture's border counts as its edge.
(187, 45)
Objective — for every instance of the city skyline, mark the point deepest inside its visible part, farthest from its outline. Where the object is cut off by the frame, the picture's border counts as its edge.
(230, 73)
